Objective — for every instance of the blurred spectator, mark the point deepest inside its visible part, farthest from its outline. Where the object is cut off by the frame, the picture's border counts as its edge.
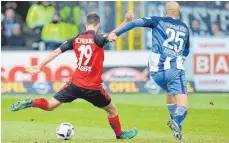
(57, 32)
(3, 37)
(52, 41)
(17, 39)
(219, 4)
(2, 17)
(215, 28)
(9, 20)
(71, 14)
(11, 4)
(39, 14)
(227, 6)
(57, 28)
(195, 27)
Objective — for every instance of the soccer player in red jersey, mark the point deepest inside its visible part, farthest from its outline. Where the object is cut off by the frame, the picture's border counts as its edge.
(86, 80)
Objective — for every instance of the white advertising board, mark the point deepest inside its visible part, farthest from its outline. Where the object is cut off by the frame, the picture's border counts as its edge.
(14, 63)
(211, 64)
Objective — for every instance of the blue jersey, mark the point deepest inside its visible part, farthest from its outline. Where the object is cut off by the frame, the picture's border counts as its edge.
(170, 38)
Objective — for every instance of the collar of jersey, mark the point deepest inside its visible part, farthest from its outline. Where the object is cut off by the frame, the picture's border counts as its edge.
(90, 31)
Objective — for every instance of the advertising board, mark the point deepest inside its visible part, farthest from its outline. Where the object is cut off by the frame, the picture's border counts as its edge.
(123, 73)
(211, 64)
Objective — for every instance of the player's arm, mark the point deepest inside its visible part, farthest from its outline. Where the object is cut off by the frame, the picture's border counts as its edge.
(186, 50)
(62, 48)
(142, 22)
(124, 28)
(101, 40)
(128, 17)
(187, 47)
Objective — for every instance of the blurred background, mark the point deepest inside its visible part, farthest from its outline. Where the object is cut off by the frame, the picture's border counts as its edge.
(29, 30)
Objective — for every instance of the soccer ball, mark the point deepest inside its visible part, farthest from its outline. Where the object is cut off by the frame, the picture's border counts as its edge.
(65, 131)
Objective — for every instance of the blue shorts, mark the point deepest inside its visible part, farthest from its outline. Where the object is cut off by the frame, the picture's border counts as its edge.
(172, 80)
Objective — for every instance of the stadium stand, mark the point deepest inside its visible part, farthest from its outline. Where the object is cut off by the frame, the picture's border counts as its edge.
(21, 21)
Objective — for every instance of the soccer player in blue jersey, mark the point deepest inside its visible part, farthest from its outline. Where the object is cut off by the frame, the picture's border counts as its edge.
(170, 38)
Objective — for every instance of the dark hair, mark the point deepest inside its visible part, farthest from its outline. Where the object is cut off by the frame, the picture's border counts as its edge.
(93, 18)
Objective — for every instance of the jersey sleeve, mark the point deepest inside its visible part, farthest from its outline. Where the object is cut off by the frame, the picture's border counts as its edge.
(101, 40)
(187, 46)
(67, 45)
(150, 22)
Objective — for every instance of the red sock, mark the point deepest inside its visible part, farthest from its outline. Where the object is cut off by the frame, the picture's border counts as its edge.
(115, 125)
(41, 103)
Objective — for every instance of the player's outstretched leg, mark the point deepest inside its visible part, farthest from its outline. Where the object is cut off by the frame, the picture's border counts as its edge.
(42, 103)
(180, 114)
(112, 115)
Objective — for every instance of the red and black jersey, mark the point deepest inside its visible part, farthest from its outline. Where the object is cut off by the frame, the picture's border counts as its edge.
(89, 51)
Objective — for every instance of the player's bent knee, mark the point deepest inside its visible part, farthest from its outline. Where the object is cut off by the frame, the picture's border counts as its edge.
(181, 100)
(111, 110)
(112, 113)
(53, 104)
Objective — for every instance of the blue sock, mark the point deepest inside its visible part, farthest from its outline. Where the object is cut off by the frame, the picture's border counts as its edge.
(180, 114)
(172, 108)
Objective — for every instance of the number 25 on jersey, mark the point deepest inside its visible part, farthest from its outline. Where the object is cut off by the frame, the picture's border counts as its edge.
(174, 41)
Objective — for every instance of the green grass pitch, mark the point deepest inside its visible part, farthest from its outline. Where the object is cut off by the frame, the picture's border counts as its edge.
(205, 123)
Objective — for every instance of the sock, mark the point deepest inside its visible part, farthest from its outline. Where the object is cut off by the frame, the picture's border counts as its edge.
(41, 103)
(180, 114)
(172, 108)
(115, 125)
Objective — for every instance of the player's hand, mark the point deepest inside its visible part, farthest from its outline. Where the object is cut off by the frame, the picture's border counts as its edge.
(33, 70)
(112, 37)
(129, 16)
